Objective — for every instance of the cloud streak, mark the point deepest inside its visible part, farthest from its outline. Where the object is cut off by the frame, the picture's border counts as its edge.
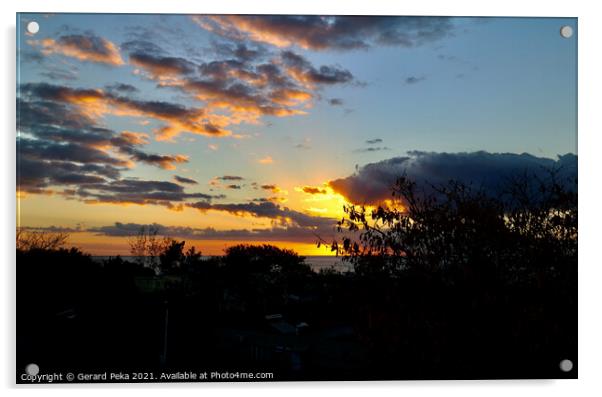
(85, 47)
(372, 149)
(142, 192)
(313, 190)
(187, 181)
(328, 32)
(289, 233)
(307, 226)
(414, 80)
(230, 178)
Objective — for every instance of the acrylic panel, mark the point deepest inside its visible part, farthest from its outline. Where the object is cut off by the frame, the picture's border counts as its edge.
(276, 197)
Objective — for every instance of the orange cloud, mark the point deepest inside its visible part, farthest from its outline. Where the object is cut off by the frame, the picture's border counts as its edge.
(234, 25)
(94, 103)
(135, 138)
(167, 162)
(290, 97)
(241, 102)
(83, 47)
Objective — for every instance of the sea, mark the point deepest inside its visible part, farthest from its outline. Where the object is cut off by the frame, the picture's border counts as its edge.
(316, 263)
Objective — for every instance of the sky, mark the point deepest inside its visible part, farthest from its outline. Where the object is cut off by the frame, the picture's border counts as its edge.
(229, 129)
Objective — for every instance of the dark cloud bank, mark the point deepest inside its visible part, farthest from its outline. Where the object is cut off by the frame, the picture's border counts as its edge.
(373, 182)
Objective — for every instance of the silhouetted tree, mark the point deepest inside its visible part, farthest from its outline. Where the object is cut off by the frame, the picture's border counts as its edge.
(192, 257)
(457, 227)
(172, 257)
(261, 259)
(44, 240)
(148, 245)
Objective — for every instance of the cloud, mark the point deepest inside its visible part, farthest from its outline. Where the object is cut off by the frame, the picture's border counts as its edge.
(444, 57)
(62, 132)
(328, 32)
(181, 179)
(133, 138)
(373, 182)
(414, 79)
(230, 178)
(335, 102)
(161, 66)
(121, 88)
(38, 177)
(303, 145)
(61, 150)
(242, 88)
(266, 160)
(276, 233)
(242, 52)
(54, 73)
(50, 150)
(305, 73)
(166, 162)
(55, 229)
(142, 44)
(245, 98)
(372, 149)
(95, 182)
(272, 199)
(85, 47)
(142, 192)
(313, 190)
(233, 186)
(273, 188)
(93, 103)
(282, 217)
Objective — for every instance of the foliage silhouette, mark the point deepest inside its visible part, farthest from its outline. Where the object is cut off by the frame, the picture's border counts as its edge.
(41, 240)
(530, 227)
(147, 246)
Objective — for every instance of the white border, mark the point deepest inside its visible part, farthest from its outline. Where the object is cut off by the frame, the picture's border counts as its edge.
(590, 272)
